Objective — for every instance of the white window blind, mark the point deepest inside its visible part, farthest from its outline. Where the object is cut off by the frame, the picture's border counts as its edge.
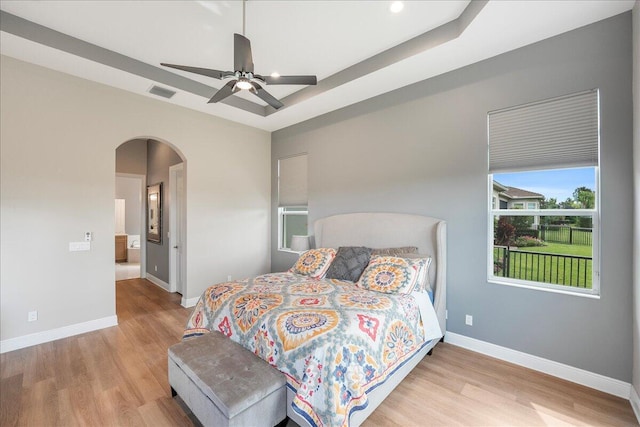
(292, 181)
(554, 133)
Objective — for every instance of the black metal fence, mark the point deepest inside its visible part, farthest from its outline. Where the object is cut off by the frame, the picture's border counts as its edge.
(567, 270)
(566, 234)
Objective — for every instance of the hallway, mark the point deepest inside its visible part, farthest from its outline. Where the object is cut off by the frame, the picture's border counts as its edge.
(127, 270)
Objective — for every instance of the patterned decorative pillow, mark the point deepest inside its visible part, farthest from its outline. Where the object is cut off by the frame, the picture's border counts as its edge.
(314, 262)
(424, 281)
(391, 275)
(349, 263)
(395, 251)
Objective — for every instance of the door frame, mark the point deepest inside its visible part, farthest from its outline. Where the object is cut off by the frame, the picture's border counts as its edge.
(143, 219)
(177, 256)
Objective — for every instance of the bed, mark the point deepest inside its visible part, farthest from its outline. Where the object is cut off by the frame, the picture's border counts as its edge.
(342, 348)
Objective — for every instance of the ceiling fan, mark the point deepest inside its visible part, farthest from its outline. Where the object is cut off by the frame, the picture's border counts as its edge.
(243, 76)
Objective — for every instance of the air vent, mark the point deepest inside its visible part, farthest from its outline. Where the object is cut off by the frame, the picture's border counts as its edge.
(160, 91)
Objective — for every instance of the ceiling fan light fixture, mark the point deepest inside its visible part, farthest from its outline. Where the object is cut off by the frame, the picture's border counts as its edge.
(242, 77)
(244, 85)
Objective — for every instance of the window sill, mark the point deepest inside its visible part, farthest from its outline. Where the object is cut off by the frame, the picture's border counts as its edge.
(287, 250)
(577, 293)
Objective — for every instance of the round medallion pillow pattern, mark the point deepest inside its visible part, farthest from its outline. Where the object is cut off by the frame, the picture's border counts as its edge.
(392, 274)
(314, 262)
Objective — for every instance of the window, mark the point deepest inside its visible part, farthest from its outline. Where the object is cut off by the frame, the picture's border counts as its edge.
(546, 152)
(292, 199)
(293, 221)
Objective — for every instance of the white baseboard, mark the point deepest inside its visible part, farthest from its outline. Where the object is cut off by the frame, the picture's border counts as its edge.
(560, 370)
(189, 302)
(56, 334)
(158, 282)
(635, 402)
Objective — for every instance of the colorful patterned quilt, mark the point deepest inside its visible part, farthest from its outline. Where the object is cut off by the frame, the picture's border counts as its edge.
(332, 340)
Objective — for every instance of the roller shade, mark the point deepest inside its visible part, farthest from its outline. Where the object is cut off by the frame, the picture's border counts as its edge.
(292, 181)
(555, 133)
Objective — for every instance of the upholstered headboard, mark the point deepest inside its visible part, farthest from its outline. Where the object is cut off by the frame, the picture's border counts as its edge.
(386, 230)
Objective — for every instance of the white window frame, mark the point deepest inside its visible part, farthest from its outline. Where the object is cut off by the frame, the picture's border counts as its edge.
(556, 133)
(535, 205)
(283, 212)
(594, 213)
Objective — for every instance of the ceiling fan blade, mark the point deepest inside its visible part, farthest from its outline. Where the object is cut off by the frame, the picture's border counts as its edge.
(242, 59)
(291, 80)
(266, 96)
(224, 92)
(216, 74)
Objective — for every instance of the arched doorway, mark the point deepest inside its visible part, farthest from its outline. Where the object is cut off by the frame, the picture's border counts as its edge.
(155, 227)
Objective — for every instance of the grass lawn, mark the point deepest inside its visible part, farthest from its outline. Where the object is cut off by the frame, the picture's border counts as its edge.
(539, 264)
(560, 248)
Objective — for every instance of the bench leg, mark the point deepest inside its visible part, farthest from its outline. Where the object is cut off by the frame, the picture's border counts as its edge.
(173, 392)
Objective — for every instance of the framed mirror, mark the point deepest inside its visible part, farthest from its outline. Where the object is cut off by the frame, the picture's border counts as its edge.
(154, 213)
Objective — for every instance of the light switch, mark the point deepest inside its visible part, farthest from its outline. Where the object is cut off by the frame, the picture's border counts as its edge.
(79, 246)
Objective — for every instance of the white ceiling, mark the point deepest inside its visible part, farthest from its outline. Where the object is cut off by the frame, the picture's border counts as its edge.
(290, 37)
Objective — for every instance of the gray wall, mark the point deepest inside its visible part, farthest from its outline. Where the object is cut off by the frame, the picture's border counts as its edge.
(160, 157)
(422, 149)
(129, 189)
(131, 157)
(636, 157)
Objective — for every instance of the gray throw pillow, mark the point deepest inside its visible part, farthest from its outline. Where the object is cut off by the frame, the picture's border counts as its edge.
(349, 263)
(394, 251)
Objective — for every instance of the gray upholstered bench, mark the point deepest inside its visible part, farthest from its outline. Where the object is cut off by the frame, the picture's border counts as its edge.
(226, 385)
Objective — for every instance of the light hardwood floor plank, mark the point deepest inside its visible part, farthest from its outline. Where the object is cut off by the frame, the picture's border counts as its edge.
(10, 400)
(118, 377)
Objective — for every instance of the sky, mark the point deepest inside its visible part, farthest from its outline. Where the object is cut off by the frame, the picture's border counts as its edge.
(555, 183)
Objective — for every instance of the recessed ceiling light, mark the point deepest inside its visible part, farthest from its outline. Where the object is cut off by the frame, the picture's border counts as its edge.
(396, 6)
(275, 75)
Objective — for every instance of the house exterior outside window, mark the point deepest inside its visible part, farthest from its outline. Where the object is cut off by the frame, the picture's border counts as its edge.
(516, 198)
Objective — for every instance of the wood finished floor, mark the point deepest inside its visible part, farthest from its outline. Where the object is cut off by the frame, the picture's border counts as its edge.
(118, 377)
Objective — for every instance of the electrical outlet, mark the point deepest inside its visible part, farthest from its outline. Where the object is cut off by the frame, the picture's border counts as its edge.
(32, 316)
(446, 314)
(155, 268)
(228, 278)
(468, 320)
